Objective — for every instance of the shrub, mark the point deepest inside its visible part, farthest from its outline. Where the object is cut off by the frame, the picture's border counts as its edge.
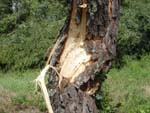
(26, 35)
(134, 29)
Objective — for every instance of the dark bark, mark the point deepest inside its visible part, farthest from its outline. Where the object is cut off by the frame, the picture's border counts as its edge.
(82, 54)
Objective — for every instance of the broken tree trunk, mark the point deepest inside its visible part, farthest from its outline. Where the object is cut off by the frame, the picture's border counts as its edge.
(82, 54)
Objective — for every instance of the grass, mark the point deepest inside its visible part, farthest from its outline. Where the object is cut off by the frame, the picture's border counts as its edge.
(20, 83)
(128, 88)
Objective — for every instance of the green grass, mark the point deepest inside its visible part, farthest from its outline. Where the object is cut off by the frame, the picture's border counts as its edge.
(21, 83)
(130, 86)
(18, 82)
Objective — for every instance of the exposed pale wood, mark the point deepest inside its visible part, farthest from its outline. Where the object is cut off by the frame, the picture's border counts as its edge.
(40, 80)
(82, 54)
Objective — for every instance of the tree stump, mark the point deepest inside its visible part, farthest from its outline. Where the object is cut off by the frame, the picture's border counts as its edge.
(82, 55)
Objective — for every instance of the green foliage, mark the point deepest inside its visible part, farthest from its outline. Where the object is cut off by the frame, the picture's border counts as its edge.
(26, 35)
(8, 23)
(134, 29)
(5, 7)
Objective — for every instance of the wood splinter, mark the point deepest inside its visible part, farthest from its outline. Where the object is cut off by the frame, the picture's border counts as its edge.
(40, 80)
(83, 6)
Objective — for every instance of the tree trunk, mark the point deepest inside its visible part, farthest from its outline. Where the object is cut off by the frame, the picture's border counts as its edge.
(82, 54)
(15, 6)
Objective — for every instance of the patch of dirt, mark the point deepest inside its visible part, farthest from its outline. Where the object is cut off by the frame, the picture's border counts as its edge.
(6, 105)
(147, 90)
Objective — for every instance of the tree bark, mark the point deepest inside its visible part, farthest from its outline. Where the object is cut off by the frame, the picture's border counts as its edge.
(82, 54)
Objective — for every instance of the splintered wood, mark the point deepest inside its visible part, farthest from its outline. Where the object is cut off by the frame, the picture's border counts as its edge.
(40, 80)
(81, 55)
(74, 58)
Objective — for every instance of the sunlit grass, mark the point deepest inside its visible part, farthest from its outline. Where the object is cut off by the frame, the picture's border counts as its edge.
(130, 86)
(21, 83)
(18, 82)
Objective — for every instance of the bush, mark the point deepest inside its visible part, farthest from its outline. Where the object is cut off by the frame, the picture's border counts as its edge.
(26, 35)
(134, 29)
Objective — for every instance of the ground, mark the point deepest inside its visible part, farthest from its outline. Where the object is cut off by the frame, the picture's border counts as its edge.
(17, 93)
(128, 89)
(6, 105)
(129, 86)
